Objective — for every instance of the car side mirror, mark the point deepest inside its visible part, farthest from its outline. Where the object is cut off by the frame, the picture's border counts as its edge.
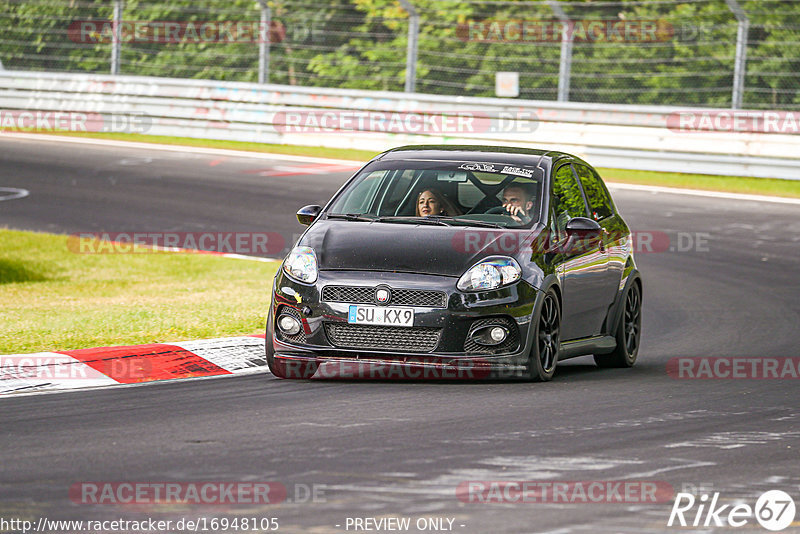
(307, 214)
(583, 235)
(583, 227)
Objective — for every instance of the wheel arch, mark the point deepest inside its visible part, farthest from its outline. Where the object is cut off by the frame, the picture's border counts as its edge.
(634, 277)
(550, 281)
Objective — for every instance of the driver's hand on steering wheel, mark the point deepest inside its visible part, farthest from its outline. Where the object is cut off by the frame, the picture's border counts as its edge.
(516, 212)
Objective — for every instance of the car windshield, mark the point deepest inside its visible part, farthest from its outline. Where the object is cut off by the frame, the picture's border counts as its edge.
(443, 192)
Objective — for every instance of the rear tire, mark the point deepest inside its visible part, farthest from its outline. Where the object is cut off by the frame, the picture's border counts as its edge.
(629, 332)
(546, 340)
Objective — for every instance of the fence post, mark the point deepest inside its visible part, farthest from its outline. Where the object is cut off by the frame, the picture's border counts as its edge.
(411, 52)
(264, 42)
(565, 63)
(116, 39)
(740, 63)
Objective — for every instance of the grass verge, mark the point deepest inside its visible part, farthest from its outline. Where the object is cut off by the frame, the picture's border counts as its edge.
(54, 299)
(730, 184)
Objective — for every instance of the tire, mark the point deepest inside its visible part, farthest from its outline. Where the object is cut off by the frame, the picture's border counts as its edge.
(629, 333)
(270, 352)
(546, 340)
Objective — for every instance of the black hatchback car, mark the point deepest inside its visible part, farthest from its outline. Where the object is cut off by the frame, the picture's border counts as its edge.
(458, 262)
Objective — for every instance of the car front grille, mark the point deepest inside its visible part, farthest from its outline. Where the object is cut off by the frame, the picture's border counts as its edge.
(400, 297)
(352, 295)
(419, 297)
(406, 339)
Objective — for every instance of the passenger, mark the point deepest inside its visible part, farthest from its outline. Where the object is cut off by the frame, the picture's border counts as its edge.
(433, 202)
(518, 203)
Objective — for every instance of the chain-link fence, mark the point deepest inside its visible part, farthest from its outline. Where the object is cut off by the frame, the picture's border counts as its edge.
(721, 53)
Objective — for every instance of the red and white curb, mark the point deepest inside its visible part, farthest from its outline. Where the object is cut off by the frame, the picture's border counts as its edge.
(136, 364)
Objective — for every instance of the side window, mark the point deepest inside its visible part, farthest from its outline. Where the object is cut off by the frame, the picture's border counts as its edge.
(398, 188)
(599, 203)
(362, 195)
(567, 200)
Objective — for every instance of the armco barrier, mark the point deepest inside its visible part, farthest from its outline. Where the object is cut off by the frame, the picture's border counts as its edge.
(633, 137)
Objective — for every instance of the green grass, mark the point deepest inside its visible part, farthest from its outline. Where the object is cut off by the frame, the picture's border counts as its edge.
(731, 184)
(54, 299)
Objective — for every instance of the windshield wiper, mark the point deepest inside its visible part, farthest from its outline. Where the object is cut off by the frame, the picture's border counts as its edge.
(440, 220)
(444, 220)
(433, 219)
(350, 217)
(472, 222)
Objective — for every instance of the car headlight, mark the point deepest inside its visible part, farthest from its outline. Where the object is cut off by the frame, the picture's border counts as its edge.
(490, 273)
(301, 265)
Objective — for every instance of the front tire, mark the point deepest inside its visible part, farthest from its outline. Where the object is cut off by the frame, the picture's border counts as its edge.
(275, 369)
(629, 332)
(546, 341)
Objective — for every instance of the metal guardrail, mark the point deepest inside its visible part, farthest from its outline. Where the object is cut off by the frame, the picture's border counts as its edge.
(633, 137)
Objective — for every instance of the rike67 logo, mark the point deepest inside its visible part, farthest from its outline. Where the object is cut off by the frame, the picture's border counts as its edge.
(774, 510)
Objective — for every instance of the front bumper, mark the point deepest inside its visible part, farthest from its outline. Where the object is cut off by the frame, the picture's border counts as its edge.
(315, 353)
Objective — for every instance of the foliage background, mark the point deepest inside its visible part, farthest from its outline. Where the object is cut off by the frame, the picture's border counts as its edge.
(362, 44)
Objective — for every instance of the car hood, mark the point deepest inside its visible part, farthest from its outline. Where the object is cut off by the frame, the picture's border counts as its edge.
(427, 249)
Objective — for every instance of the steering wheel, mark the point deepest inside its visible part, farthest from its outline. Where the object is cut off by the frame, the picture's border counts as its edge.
(497, 210)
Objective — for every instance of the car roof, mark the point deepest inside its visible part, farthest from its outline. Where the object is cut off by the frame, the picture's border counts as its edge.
(493, 154)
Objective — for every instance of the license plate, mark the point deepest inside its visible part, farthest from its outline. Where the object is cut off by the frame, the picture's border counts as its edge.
(381, 316)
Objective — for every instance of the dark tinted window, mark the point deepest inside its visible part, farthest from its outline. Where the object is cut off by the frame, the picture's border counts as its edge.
(567, 200)
(599, 203)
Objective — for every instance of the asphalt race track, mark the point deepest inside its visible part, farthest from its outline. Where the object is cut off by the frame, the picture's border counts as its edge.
(392, 449)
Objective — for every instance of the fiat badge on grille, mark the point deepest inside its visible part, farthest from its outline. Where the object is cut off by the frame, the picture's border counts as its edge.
(382, 295)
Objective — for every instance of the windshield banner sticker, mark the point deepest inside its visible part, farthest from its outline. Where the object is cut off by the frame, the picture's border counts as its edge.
(489, 167)
(517, 171)
(480, 167)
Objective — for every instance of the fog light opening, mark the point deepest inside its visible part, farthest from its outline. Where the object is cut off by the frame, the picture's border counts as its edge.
(289, 325)
(490, 335)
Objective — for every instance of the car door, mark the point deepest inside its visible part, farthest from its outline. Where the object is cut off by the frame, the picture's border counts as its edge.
(615, 233)
(583, 267)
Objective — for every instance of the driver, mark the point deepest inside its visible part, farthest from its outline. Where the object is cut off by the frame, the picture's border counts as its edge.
(517, 202)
